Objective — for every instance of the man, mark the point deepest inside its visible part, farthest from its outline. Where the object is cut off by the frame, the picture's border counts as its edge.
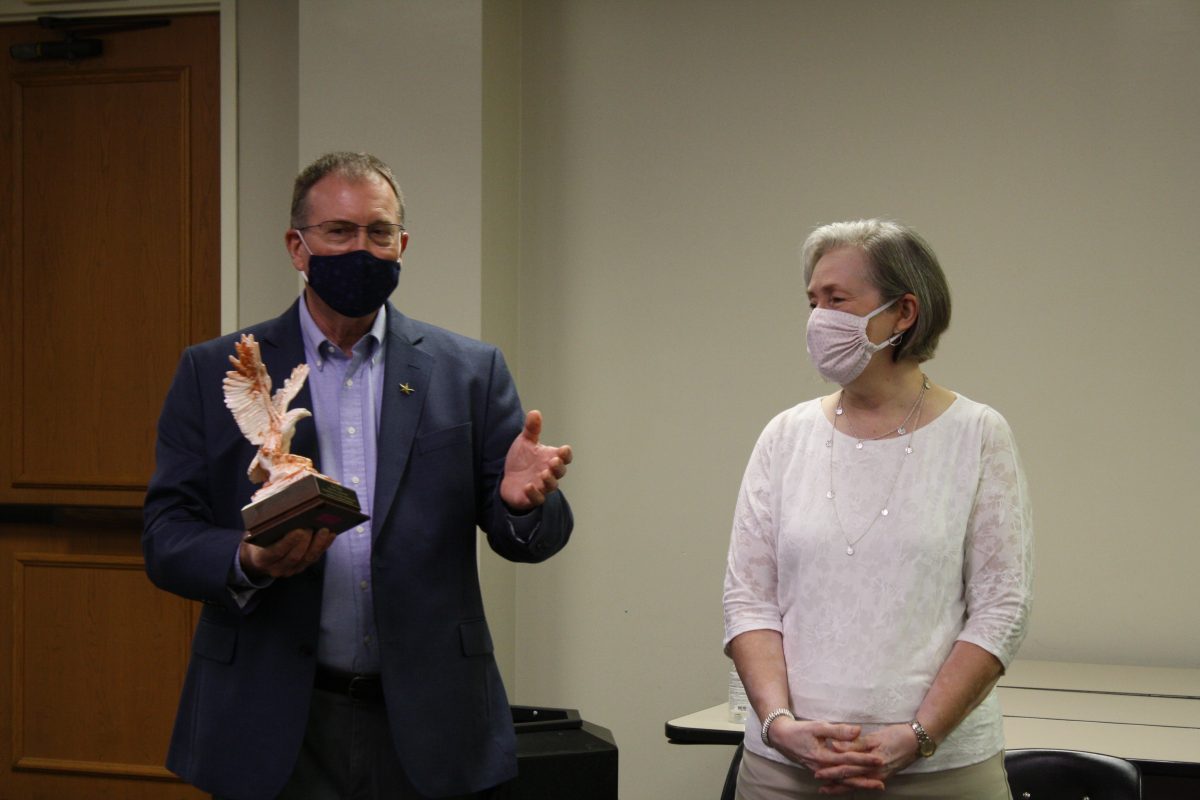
(358, 665)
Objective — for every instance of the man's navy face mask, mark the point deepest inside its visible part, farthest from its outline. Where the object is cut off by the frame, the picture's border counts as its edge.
(353, 284)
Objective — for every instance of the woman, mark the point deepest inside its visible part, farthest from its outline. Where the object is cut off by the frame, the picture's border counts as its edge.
(881, 559)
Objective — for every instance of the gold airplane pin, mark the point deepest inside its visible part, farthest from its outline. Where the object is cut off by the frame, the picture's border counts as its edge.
(404, 387)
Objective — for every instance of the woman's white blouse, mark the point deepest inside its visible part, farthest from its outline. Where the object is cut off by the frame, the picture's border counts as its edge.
(865, 634)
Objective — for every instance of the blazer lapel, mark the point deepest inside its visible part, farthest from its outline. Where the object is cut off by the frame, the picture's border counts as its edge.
(407, 374)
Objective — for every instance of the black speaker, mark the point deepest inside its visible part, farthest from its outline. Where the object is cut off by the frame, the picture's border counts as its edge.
(561, 757)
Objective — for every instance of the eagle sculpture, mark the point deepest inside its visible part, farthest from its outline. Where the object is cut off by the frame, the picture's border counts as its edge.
(264, 419)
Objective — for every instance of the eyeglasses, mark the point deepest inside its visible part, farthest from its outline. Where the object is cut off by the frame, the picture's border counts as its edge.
(340, 232)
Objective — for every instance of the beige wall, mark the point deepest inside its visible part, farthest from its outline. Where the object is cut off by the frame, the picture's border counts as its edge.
(674, 156)
(267, 155)
(403, 79)
(663, 160)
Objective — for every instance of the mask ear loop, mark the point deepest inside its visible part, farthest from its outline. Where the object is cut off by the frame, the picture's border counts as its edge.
(301, 235)
(892, 340)
(896, 336)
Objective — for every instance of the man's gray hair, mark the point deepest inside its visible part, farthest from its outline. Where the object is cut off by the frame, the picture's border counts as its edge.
(900, 262)
(353, 166)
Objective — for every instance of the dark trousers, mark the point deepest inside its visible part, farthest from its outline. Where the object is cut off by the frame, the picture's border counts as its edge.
(348, 755)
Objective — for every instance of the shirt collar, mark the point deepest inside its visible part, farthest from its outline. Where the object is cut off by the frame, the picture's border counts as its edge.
(317, 346)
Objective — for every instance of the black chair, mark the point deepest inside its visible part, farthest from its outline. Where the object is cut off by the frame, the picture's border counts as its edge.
(1071, 775)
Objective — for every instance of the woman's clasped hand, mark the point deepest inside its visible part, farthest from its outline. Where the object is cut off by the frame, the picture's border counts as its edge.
(842, 756)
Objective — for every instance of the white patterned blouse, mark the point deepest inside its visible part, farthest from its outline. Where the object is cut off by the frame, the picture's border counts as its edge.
(865, 634)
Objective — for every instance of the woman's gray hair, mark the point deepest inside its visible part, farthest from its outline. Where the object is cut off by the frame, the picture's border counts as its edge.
(353, 166)
(900, 262)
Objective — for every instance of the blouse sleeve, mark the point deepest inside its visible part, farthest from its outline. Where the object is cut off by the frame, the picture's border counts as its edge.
(751, 577)
(998, 564)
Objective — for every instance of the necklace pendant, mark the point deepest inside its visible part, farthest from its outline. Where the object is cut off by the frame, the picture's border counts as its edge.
(908, 451)
(829, 494)
(901, 430)
(884, 512)
(858, 446)
(849, 549)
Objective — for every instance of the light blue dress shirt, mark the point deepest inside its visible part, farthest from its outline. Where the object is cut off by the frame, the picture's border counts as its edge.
(347, 393)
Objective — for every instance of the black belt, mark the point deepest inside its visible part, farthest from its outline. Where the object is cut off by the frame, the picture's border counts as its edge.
(366, 689)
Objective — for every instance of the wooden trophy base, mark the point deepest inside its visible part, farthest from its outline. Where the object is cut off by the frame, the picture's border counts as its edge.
(312, 502)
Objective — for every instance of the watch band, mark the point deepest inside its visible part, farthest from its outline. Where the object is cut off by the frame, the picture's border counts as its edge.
(925, 744)
(774, 715)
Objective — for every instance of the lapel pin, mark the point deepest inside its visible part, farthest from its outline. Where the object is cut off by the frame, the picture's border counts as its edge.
(404, 387)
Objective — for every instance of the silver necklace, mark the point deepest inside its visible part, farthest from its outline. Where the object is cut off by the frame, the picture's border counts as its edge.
(899, 431)
(883, 512)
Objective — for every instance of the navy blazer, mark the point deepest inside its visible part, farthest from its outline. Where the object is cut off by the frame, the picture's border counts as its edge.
(441, 455)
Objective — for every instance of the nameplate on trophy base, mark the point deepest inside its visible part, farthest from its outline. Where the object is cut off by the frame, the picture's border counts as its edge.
(311, 502)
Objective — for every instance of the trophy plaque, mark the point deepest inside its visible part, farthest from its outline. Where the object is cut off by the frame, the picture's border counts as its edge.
(293, 494)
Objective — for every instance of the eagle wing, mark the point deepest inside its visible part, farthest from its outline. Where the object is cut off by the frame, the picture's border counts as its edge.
(291, 387)
(248, 392)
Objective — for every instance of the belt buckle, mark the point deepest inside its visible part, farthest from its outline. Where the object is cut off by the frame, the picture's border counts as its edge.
(359, 689)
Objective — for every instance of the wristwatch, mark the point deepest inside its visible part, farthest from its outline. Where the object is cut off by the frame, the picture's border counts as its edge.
(925, 744)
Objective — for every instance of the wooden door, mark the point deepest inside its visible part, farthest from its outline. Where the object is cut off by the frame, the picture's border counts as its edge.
(109, 266)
